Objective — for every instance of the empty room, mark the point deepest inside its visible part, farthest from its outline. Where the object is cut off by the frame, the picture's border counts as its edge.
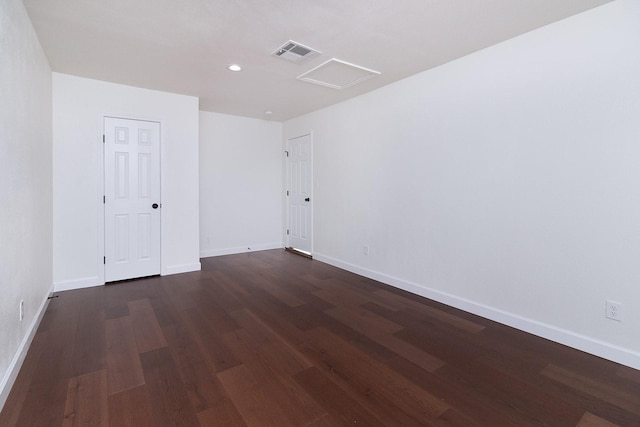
(320, 213)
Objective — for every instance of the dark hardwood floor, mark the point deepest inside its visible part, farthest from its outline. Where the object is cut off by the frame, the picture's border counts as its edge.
(274, 339)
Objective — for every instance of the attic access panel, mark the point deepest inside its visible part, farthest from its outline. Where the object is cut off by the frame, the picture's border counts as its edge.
(338, 74)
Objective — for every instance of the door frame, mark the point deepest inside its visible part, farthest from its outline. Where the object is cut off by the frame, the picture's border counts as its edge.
(101, 267)
(286, 188)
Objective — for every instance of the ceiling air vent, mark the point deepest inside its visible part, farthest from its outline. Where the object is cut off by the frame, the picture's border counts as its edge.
(295, 52)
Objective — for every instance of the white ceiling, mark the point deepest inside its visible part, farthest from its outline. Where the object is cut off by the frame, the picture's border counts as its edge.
(184, 46)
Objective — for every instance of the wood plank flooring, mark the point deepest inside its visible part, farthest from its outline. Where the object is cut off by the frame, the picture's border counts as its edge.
(274, 339)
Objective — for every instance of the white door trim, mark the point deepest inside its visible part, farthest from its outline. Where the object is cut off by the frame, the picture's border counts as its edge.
(101, 188)
(286, 188)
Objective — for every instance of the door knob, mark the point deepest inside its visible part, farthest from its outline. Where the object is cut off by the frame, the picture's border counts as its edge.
(154, 206)
(307, 199)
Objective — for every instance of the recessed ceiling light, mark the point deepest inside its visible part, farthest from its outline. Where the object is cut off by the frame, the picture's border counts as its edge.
(234, 67)
(268, 112)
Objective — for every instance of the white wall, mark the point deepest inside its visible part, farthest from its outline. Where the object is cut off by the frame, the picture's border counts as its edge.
(25, 190)
(240, 184)
(506, 183)
(78, 242)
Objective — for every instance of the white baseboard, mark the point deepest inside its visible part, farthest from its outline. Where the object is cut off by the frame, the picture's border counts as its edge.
(240, 250)
(85, 282)
(182, 268)
(581, 342)
(16, 363)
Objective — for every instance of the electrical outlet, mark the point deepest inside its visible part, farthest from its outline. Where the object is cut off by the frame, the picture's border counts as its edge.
(614, 311)
(21, 310)
(365, 250)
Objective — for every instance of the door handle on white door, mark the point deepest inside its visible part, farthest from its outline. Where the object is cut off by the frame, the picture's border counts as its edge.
(154, 206)
(307, 199)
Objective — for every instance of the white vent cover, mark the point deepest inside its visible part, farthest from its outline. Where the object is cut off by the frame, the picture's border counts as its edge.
(295, 52)
(337, 74)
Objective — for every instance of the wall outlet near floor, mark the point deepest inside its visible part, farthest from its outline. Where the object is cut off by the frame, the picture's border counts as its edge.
(365, 250)
(614, 310)
(21, 310)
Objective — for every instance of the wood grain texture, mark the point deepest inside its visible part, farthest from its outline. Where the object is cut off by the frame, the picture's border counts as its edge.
(268, 345)
(390, 396)
(86, 403)
(146, 328)
(628, 399)
(590, 420)
(222, 414)
(343, 408)
(202, 386)
(123, 363)
(274, 339)
(170, 404)
(90, 345)
(130, 408)
(263, 393)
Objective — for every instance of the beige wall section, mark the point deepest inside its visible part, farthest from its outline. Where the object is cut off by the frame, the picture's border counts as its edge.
(78, 107)
(25, 190)
(240, 184)
(506, 183)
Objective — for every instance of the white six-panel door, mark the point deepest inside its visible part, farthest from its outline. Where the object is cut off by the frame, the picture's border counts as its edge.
(132, 198)
(299, 200)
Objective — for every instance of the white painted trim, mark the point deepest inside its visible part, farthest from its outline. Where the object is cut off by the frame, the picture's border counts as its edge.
(182, 268)
(85, 282)
(100, 267)
(581, 342)
(285, 236)
(240, 250)
(16, 363)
